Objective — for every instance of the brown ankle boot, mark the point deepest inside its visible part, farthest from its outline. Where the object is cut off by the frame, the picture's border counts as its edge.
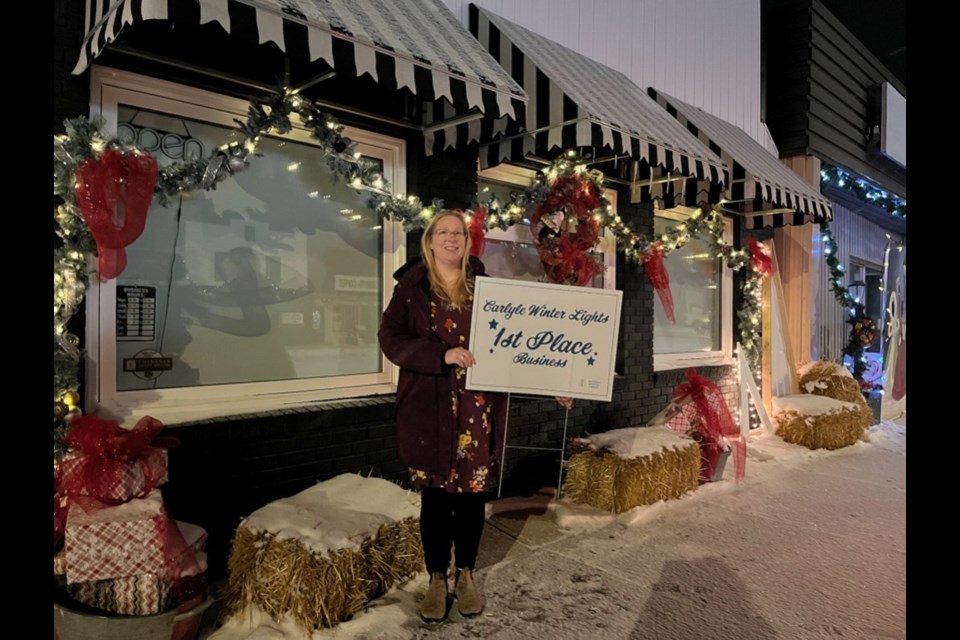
(434, 605)
(469, 599)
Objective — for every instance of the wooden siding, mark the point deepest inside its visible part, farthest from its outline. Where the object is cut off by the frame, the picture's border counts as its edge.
(818, 95)
(704, 52)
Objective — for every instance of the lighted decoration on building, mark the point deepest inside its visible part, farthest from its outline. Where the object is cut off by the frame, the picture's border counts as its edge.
(84, 141)
(863, 190)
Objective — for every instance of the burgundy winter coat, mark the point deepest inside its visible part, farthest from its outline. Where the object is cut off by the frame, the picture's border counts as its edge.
(426, 427)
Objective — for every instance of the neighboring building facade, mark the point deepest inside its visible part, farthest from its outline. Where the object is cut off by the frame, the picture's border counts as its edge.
(831, 105)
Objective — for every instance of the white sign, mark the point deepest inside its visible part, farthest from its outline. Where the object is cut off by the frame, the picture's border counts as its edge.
(544, 339)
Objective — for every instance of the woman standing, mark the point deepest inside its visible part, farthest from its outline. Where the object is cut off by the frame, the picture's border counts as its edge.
(449, 436)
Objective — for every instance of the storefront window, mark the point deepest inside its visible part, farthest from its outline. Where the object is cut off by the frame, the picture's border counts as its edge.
(702, 303)
(272, 283)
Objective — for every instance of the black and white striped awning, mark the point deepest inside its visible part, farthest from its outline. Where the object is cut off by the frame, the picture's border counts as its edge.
(418, 45)
(770, 193)
(577, 102)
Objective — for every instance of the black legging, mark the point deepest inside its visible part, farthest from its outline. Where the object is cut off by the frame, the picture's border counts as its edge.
(450, 519)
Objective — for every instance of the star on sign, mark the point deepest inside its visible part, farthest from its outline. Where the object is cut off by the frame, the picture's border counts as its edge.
(590, 361)
(493, 324)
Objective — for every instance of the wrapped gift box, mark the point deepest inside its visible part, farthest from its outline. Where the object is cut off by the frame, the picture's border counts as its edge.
(104, 542)
(122, 482)
(139, 595)
(143, 594)
(194, 536)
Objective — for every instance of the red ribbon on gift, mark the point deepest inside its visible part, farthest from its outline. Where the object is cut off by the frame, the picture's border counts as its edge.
(106, 447)
(658, 277)
(759, 258)
(115, 187)
(183, 570)
(478, 234)
(708, 410)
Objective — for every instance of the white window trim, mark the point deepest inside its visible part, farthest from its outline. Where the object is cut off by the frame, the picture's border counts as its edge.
(723, 357)
(514, 176)
(109, 89)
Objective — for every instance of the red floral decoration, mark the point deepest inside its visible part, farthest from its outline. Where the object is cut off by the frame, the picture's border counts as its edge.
(565, 231)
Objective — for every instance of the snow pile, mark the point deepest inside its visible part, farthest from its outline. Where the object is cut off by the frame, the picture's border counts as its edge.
(336, 514)
(637, 442)
(810, 405)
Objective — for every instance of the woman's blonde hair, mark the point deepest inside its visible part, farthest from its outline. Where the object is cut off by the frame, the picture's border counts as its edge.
(462, 290)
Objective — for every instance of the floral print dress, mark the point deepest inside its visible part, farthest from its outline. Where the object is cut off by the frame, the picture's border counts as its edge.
(473, 411)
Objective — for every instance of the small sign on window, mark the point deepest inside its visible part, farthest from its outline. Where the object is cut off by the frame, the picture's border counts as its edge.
(136, 313)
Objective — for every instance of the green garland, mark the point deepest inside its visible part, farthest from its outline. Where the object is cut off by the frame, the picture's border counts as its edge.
(83, 140)
(854, 347)
(836, 177)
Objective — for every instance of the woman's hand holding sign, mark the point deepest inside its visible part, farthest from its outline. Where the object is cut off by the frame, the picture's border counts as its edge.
(459, 357)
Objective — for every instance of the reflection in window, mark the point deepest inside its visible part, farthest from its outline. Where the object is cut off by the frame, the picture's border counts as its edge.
(275, 275)
(695, 283)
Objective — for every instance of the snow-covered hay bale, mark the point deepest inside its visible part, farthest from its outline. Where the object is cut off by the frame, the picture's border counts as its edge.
(626, 468)
(818, 422)
(832, 380)
(322, 554)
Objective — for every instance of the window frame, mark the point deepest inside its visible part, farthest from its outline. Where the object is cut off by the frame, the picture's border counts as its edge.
(111, 88)
(723, 356)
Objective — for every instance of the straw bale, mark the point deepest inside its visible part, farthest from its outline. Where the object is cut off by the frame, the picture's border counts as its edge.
(614, 483)
(319, 590)
(826, 378)
(832, 430)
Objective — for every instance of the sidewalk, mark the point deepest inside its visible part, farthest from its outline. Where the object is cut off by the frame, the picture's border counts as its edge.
(812, 544)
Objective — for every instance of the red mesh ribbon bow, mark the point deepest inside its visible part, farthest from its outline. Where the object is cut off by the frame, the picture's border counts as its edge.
(106, 447)
(707, 411)
(478, 234)
(761, 261)
(658, 277)
(115, 187)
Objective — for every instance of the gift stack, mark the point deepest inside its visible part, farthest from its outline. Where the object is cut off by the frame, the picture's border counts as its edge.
(121, 553)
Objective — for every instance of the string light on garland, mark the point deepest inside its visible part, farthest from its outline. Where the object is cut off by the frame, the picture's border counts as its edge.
(863, 190)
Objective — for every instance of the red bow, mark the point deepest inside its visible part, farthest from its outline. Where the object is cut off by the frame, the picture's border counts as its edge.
(658, 277)
(106, 447)
(712, 417)
(759, 258)
(478, 234)
(115, 186)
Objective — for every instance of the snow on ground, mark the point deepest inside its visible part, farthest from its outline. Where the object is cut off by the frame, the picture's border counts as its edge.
(573, 567)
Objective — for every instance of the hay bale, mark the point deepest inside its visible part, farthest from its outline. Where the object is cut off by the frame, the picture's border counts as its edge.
(820, 422)
(322, 554)
(832, 380)
(625, 468)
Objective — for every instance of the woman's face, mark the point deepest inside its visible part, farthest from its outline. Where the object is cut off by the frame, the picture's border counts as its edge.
(448, 240)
